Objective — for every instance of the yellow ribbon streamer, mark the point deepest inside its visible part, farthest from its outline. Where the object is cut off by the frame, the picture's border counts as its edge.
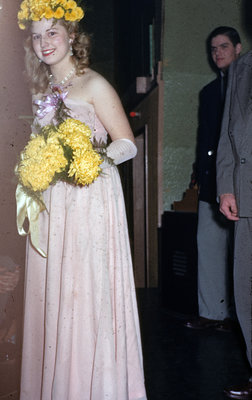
(28, 207)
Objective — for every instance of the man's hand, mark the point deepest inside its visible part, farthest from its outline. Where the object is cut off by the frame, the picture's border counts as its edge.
(228, 206)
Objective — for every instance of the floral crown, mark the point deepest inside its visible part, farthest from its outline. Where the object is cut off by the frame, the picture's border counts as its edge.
(35, 10)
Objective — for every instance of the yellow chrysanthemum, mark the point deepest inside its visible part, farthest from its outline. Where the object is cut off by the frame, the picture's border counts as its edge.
(34, 146)
(24, 6)
(25, 14)
(73, 124)
(40, 161)
(22, 15)
(75, 134)
(59, 13)
(79, 13)
(74, 15)
(85, 167)
(76, 140)
(33, 178)
(71, 4)
(67, 16)
(49, 13)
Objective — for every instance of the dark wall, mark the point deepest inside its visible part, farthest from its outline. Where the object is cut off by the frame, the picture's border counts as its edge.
(99, 22)
(121, 39)
(132, 51)
(246, 8)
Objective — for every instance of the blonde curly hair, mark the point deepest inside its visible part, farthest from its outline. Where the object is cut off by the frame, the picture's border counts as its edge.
(37, 73)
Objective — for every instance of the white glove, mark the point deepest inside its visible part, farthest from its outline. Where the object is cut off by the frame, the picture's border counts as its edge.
(120, 150)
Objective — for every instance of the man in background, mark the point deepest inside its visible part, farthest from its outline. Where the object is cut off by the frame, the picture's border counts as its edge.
(234, 188)
(214, 231)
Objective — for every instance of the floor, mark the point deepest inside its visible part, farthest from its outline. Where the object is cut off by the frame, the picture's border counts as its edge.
(184, 364)
(180, 364)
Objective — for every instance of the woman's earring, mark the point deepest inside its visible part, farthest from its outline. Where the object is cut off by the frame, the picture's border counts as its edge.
(71, 47)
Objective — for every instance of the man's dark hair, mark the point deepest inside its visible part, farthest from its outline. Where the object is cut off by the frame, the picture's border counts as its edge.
(228, 31)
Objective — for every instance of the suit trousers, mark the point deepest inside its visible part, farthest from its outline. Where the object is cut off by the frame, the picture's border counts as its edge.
(214, 236)
(243, 279)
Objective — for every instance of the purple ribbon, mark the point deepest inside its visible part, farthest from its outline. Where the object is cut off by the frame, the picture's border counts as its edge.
(51, 102)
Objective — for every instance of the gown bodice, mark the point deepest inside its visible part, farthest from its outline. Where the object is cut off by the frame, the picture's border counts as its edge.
(82, 111)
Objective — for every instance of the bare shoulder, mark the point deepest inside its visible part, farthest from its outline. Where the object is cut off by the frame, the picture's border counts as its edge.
(101, 93)
(96, 84)
(107, 105)
(90, 86)
(93, 77)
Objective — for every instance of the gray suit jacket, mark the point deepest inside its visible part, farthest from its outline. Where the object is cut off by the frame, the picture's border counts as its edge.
(234, 156)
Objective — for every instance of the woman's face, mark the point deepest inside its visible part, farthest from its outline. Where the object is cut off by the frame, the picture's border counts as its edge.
(50, 41)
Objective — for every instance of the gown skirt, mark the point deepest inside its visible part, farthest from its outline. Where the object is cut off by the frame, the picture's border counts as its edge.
(81, 336)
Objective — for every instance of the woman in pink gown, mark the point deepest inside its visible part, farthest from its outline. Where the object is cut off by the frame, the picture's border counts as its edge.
(81, 330)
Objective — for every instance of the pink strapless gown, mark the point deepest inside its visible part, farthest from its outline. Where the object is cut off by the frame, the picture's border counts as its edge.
(81, 329)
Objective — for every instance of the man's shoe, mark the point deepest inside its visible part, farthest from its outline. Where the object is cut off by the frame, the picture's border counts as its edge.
(243, 392)
(202, 323)
(227, 325)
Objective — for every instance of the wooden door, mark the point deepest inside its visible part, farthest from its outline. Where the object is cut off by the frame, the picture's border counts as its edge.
(140, 209)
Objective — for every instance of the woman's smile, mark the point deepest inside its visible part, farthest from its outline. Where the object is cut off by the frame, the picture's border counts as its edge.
(47, 53)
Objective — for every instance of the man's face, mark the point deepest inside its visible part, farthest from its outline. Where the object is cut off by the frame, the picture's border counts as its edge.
(223, 51)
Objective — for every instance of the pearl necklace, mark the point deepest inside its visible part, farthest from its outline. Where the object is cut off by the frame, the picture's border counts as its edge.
(64, 80)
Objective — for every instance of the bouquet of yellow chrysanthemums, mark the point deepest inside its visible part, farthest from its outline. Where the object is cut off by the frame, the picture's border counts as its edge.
(61, 152)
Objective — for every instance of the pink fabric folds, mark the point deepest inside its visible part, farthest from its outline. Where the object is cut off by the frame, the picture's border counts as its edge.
(81, 329)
